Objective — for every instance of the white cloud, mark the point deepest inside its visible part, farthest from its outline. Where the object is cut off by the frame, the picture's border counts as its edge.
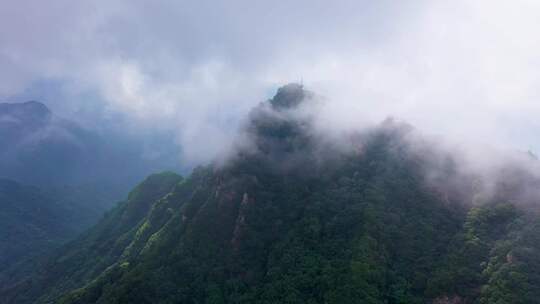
(466, 69)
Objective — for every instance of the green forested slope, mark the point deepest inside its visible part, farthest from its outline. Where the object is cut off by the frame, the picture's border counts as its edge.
(94, 251)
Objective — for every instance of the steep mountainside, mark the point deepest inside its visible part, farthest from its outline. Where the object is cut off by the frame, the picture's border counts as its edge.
(294, 219)
(98, 248)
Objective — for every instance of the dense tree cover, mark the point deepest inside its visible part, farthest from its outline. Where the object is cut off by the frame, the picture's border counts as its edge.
(292, 221)
(34, 221)
(29, 221)
(95, 250)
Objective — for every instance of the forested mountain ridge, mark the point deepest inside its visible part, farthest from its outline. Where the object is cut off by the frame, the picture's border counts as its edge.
(293, 219)
(96, 248)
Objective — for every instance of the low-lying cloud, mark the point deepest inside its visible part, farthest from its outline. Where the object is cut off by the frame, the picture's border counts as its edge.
(465, 70)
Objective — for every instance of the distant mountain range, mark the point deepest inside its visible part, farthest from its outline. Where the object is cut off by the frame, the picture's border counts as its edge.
(36, 147)
(39, 148)
(291, 218)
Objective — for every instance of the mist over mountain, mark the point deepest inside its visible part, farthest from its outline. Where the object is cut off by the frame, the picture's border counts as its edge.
(305, 151)
(378, 215)
(35, 144)
(40, 148)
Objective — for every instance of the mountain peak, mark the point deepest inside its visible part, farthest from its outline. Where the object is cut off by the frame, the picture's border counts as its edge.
(289, 96)
(36, 105)
(29, 110)
(274, 128)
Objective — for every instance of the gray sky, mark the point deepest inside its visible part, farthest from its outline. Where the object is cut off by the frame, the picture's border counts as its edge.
(468, 70)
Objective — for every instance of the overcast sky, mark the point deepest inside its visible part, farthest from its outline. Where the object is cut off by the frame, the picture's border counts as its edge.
(467, 70)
